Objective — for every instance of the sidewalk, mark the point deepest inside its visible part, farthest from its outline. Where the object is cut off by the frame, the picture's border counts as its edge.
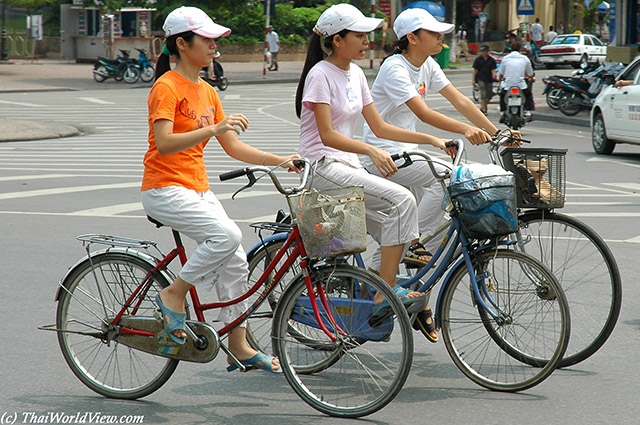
(19, 76)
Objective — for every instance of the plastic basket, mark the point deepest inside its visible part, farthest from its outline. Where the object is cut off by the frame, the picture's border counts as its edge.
(485, 206)
(540, 176)
(332, 222)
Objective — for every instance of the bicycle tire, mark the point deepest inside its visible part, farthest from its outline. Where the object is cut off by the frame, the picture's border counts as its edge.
(587, 271)
(259, 322)
(496, 355)
(95, 289)
(367, 367)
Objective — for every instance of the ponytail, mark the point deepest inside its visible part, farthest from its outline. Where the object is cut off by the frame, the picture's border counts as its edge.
(315, 53)
(400, 45)
(163, 64)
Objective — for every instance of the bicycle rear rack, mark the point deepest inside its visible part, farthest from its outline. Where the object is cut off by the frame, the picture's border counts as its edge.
(91, 238)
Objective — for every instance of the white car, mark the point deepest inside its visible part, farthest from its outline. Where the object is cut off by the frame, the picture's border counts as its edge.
(573, 49)
(615, 116)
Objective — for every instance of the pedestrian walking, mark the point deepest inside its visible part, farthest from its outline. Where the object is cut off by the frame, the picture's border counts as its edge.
(274, 47)
(484, 74)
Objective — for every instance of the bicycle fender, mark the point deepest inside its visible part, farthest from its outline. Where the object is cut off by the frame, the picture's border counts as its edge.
(265, 242)
(147, 258)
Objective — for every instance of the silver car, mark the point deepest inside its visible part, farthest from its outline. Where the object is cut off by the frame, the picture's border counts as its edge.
(573, 49)
(615, 116)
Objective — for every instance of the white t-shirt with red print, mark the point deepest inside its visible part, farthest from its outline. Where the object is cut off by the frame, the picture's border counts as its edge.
(399, 81)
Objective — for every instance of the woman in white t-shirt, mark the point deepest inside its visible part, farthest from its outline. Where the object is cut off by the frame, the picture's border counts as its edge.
(331, 95)
(399, 91)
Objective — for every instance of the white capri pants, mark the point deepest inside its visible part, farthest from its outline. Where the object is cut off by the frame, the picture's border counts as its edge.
(418, 178)
(428, 193)
(392, 217)
(219, 259)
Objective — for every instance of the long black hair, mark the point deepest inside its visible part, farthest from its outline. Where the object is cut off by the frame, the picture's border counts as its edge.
(163, 64)
(400, 45)
(315, 54)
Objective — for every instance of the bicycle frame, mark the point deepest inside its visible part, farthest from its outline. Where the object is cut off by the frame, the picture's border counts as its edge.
(293, 239)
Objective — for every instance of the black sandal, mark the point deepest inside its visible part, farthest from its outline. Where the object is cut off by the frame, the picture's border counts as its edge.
(415, 251)
(421, 324)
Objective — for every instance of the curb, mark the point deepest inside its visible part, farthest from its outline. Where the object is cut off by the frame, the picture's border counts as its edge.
(562, 119)
(22, 131)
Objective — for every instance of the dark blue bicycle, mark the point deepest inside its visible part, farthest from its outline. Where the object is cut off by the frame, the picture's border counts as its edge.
(503, 315)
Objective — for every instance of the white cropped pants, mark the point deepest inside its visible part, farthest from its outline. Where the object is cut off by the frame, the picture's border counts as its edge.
(219, 261)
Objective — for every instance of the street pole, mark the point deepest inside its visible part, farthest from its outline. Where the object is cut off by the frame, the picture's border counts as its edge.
(372, 36)
(4, 55)
(266, 38)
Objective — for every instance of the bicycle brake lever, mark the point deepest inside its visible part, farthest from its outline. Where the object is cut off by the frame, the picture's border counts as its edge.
(407, 161)
(252, 181)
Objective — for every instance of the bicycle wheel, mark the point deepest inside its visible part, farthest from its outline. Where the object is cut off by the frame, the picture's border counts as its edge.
(587, 272)
(366, 367)
(92, 294)
(259, 323)
(523, 346)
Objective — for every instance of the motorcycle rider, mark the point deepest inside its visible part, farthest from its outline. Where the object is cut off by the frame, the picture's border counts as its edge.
(514, 71)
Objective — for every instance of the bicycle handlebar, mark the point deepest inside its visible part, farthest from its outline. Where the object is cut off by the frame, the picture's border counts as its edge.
(458, 144)
(250, 173)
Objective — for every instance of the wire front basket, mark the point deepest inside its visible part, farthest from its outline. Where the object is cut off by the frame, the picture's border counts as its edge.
(540, 176)
(332, 222)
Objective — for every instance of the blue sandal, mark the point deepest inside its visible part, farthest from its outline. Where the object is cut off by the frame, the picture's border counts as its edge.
(413, 305)
(259, 361)
(177, 321)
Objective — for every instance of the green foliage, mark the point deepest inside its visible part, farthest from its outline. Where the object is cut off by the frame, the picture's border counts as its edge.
(295, 21)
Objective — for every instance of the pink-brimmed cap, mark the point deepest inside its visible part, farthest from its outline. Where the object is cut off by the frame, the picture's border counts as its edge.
(188, 18)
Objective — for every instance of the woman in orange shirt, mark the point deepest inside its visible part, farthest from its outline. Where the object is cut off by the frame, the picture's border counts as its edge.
(184, 113)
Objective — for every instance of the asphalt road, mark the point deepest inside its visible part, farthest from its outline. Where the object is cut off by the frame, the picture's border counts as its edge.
(52, 190)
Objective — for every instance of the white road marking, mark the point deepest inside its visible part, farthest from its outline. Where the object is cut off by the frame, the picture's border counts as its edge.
(611, 161)
(33, 105)
(96, 100)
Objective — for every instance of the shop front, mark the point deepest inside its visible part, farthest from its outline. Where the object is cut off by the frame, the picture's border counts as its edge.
(87, 33)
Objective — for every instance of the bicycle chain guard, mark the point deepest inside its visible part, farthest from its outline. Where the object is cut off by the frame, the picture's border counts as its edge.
(203, 350)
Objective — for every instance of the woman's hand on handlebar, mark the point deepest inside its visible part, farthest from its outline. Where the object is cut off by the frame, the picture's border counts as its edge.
(449, 148)
(290, 165)
(476, 135)
(383, 162)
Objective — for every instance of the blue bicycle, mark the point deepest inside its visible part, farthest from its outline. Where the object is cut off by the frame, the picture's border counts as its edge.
(504, 317)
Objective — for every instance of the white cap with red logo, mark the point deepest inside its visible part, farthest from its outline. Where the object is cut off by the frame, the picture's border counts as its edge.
(187, 18)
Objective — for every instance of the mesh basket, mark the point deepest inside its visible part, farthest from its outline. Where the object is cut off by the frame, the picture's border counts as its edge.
(331, 222)
(540, 176)
(485, 206)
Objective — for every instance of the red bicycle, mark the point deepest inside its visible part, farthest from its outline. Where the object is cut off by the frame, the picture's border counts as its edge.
(340, 355)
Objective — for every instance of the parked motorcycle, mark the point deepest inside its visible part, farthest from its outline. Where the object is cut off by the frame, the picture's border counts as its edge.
(218, 80)
(119, 69)
(580, 93)
(147, 70)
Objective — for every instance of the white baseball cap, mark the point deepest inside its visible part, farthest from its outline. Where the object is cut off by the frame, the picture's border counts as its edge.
(416, 18)
(187, 18)
(344, 16)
